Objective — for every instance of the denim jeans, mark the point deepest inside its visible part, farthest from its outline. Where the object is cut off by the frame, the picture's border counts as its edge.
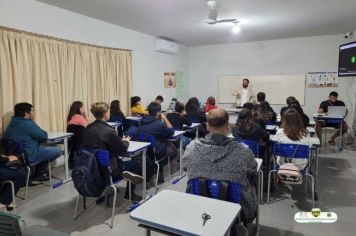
(44, 155)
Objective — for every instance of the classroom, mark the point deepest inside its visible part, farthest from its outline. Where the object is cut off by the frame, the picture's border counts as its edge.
(200, 117)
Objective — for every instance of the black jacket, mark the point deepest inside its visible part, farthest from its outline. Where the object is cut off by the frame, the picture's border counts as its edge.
(256, 133)
(101, 135)
(178, 120)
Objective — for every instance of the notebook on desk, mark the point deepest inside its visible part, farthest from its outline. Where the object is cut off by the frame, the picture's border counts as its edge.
(336, 111)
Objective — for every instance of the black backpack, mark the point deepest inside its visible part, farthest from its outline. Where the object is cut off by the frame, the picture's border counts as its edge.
(86, 175)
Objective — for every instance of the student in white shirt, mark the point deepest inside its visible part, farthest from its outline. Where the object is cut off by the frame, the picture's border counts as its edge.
(246, 94)
(293, 131)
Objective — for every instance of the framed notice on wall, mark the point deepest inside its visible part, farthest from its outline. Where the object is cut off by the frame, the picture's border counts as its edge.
(322, 79)
(169, 79)
(180, 89)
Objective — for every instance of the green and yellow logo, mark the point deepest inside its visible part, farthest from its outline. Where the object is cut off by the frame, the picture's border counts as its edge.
(353, 59)
(315, 212)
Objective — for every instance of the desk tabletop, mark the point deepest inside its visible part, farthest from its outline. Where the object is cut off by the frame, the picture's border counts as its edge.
(314, 141)
(114, 124)
(135, 146)
(178, 133)
(259, 163)
(193, 125)
(181, 213)
(58, 135)
(233, 109)
(137, 118)
(324, 116)
(271, 127)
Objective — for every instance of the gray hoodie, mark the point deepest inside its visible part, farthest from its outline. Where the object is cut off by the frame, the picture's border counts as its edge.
(220, 158)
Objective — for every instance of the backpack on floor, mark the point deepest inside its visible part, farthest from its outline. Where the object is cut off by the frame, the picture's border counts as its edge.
(86, 175)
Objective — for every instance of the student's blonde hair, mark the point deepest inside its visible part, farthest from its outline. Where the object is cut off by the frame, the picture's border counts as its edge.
(99, 109)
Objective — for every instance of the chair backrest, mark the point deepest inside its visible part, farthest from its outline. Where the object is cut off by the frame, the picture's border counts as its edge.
(253, 145)
(102, 156)
(75, 141)
(291, 150)
(9, 225)
(222, 190)
(14, 147)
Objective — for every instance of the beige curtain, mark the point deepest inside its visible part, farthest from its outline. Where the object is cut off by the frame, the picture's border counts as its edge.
(52, 73)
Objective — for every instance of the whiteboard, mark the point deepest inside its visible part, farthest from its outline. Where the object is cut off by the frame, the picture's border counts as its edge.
(276, 87)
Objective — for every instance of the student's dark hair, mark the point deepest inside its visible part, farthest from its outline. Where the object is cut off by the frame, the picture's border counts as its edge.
(263, 112)
(179, 107)
(159, 97)
(192, 107)
(174, 99)
(115, 108)
(74, 109)
(334, 94)
(217, 118)
(248, 105)
(293, 125)
(22, 108)
(245, 121)
(261, 97)
(248, 81)
(154, 108)
(135, 100)
(291, 100)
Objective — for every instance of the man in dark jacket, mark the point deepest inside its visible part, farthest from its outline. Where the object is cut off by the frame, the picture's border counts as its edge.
(157, 124)
(22, 128)
(101, 135)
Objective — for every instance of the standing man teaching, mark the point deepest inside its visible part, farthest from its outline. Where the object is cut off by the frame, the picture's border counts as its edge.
(246, 94)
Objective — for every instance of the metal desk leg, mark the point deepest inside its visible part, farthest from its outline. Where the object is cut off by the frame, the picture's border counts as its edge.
(148, 232)
(257, 230)
(66, 159)
(341, 137)
(180, 155)
(197, 132)
(144, 174)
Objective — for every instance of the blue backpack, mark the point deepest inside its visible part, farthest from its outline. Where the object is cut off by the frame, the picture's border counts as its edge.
(86, 175)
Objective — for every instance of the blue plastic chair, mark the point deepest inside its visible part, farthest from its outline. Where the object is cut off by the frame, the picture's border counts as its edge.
(141, 137)
(253, 145)
(103, 158)
(290, 150)
(15, 147)
(217, 189)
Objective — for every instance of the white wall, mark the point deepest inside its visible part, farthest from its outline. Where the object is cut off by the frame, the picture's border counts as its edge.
(284, 56)
(148, 66)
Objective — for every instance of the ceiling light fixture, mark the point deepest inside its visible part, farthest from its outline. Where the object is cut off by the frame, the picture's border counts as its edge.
(236, 28)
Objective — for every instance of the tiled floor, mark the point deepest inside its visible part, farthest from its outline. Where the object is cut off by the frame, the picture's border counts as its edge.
(54, 208)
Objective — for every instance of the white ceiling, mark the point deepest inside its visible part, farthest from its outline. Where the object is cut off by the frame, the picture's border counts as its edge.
(184, 21)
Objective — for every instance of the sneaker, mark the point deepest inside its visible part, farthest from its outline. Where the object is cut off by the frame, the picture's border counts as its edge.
(134, 197)
(133, 178)
(10, 207)
(41, 178)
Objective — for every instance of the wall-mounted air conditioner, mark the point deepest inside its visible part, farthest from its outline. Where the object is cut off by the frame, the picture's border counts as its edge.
(166, 46)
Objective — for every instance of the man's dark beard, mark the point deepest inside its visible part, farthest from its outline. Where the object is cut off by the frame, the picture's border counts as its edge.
(244, 86)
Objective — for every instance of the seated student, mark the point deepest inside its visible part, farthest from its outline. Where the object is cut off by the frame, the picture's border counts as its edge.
(23, 129)
(264, 112)
(246, 128)
(292, 102)
(136, 107)
(323, 108)
(116, 115)
(157, 125)
(177, 119)
(172, 104)
(77, 115)
(261, 97)
(101, 135)
(210, 104)
(10, 169)
(159, 99)
(250, 106)
(196, 115)
(220, 158)
(293, 131)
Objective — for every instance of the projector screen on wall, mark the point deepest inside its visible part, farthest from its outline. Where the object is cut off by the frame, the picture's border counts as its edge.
(347, 59)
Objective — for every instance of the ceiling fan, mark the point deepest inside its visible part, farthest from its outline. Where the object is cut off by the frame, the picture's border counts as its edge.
(213, 14)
